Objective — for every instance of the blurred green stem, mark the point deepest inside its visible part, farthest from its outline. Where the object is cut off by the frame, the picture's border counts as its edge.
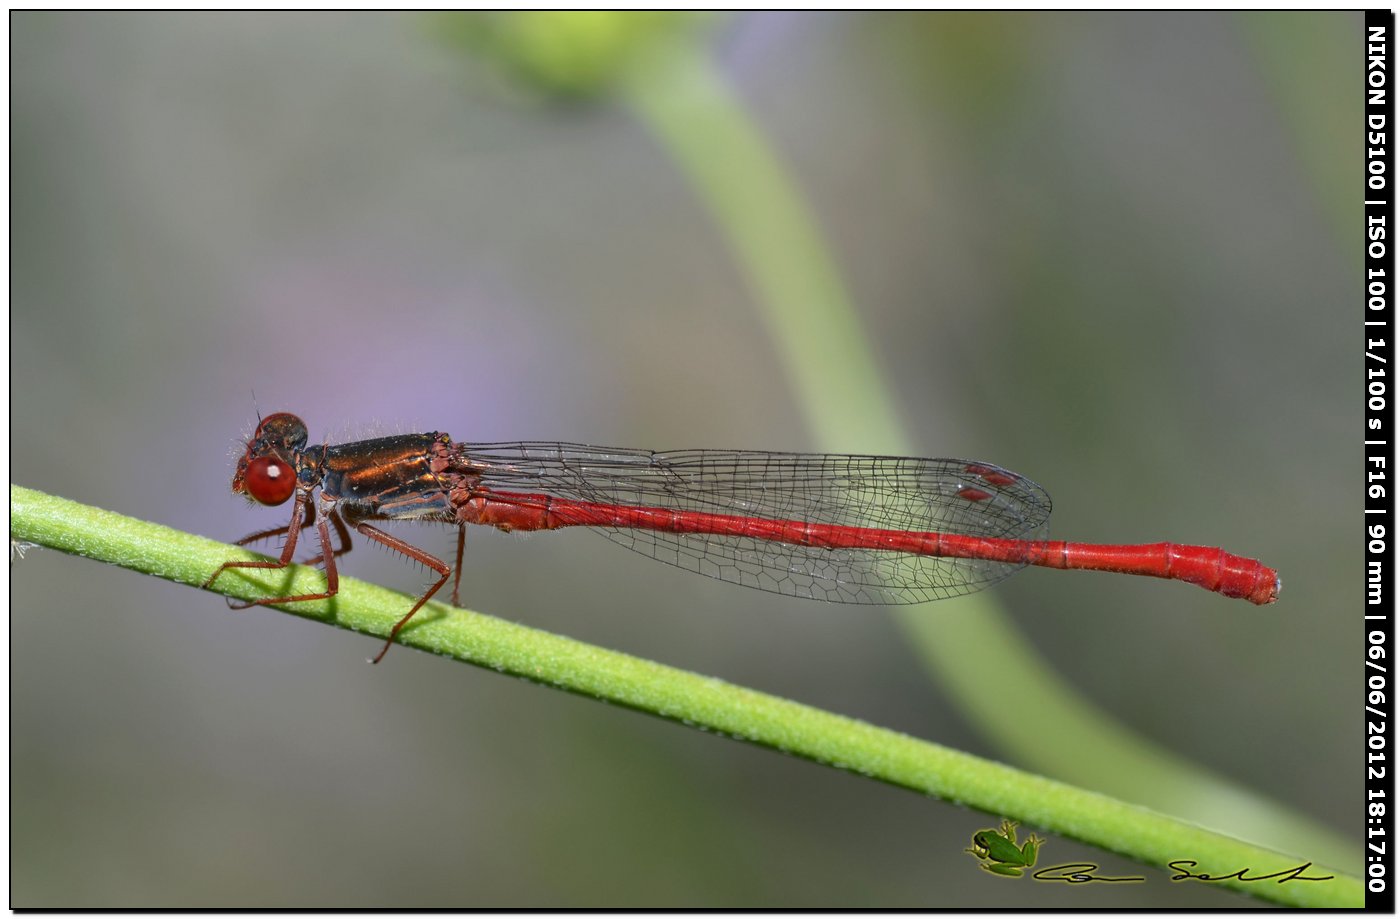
(688, 698)
(798, 291)
(1305, 58)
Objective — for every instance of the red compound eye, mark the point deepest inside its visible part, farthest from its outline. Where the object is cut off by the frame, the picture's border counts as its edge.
(268, 480)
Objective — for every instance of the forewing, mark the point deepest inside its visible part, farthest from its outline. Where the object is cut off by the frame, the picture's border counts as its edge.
(888, 493)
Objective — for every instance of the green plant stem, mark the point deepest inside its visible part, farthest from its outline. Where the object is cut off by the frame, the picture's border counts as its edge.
(845, 400)
(698, 701)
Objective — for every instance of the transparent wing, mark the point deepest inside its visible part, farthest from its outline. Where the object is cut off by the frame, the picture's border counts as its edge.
(869, 492)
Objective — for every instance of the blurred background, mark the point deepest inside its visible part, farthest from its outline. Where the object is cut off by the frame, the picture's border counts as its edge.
(1113, 252)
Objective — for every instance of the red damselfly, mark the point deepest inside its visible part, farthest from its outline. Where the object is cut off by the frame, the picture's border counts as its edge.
(851, 529)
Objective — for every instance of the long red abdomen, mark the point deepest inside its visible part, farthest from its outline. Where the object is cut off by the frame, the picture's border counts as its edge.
(1211, 568)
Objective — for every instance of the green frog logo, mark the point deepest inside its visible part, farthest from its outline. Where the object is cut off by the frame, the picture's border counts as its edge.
(999, 852)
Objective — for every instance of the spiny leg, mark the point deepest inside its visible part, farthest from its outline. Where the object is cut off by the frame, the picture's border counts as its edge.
(324, 512)
(292, 530)
(418, 555)
(457, 570)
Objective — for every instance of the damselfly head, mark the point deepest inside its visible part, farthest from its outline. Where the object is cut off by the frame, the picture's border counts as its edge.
(266, 472)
